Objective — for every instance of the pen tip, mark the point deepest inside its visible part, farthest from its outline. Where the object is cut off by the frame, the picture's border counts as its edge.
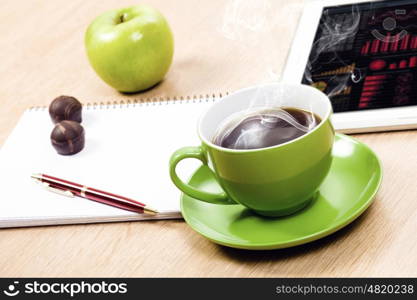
(150, 210)
(36, 176)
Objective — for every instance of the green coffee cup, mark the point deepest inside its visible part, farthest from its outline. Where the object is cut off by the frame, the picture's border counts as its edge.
(273, 181)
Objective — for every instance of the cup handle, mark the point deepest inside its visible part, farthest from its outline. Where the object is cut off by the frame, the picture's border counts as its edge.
(198, 153)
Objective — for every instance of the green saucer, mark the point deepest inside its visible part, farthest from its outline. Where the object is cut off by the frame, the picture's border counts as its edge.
(346, 193)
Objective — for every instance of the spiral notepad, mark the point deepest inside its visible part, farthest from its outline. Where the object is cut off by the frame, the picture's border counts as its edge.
(127, 150)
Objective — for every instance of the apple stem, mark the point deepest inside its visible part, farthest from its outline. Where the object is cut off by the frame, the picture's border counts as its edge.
(122, 17)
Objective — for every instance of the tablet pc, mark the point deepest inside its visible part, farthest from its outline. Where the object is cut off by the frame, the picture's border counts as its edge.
(363, 55)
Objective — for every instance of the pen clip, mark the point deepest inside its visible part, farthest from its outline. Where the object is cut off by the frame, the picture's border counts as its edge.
(58, 191)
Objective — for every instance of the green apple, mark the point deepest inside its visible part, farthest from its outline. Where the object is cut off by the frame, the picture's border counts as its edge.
(131, 48)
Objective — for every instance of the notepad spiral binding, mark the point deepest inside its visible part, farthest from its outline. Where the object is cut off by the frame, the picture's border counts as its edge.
(147, 101)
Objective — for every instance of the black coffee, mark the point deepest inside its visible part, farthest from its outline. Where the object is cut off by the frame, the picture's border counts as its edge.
(266, 128)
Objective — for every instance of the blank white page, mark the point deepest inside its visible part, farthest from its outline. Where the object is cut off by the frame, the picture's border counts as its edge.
(127, 152)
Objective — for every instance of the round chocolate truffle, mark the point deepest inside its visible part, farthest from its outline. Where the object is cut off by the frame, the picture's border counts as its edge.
(68, 137)
(65, 108)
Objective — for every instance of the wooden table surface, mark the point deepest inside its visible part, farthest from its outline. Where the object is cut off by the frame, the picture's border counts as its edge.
(42, 56)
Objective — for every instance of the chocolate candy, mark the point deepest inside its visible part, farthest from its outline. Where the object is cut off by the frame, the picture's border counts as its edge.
(68, 137)
(65, 108)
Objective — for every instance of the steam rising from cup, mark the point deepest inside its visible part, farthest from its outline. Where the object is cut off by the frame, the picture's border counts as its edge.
(250, 23)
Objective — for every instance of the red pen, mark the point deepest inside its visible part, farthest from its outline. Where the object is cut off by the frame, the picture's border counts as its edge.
(72, 189)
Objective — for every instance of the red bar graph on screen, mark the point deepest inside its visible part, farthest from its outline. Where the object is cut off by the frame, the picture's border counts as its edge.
(375, 77)
(413, 62)
(404, 42)
(385, 43)
(403, 64)
(365, 99)
(365, 48)
(375, 46)
(394, 45)
(371, 89)
(414, 42)
(379, 70)
(368, 94)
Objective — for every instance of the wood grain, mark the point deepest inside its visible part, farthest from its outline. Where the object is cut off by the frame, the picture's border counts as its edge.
(43, 57)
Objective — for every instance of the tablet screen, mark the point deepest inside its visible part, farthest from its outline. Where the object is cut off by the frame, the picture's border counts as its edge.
(364, 56)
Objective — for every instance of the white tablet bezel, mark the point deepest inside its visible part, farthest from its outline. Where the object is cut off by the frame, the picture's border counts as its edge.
(384, 119)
